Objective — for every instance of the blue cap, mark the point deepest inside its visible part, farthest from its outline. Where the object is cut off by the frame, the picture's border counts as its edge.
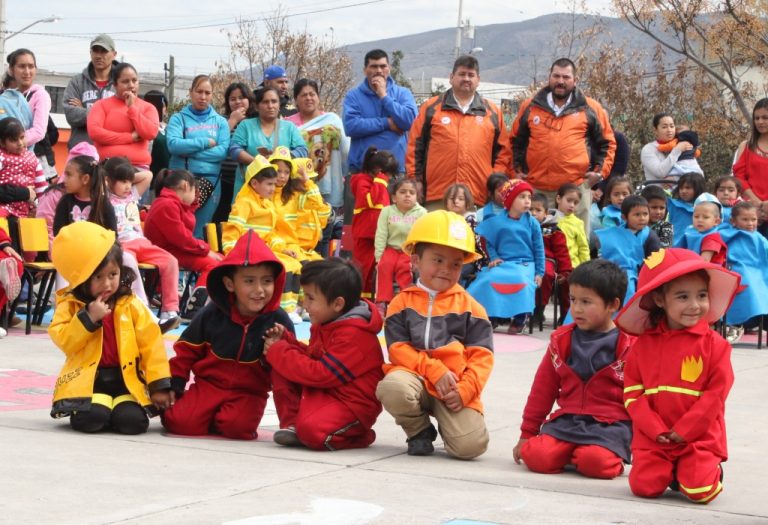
(274, 72)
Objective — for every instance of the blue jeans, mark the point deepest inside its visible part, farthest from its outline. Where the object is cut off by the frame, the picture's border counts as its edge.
(204, 214)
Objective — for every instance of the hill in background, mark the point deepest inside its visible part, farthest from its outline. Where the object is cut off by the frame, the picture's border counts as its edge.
(513, 53)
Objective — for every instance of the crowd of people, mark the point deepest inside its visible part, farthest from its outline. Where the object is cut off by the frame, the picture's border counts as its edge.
(458, 226)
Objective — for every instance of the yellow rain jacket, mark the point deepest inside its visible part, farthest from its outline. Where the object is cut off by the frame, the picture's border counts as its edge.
(139, 342)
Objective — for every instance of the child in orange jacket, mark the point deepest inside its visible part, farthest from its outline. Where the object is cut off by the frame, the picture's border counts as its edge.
(678, 375)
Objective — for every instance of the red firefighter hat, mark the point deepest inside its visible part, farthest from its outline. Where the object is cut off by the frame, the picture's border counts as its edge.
(667, 265)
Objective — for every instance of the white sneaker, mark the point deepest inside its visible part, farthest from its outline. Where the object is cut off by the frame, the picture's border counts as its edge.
(734, 333)
(294, 317)
(168, 321)
(3, 333)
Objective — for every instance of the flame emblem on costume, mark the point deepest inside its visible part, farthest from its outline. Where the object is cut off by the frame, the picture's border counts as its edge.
(691, 368)
(655, 259)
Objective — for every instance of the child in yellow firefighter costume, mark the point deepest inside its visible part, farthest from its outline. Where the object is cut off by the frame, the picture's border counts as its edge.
(254, 209)
(678, 375)
(116, 368)
(298, 199)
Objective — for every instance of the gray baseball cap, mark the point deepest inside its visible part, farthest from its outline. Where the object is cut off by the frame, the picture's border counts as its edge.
(103, 40)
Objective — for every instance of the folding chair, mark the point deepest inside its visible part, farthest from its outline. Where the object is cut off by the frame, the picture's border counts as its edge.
(345, 244)
(212, 233)
(33, 237)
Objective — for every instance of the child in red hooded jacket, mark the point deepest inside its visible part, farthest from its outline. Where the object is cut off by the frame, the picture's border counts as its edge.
(224, 344)
(325, 392)
(170, 224)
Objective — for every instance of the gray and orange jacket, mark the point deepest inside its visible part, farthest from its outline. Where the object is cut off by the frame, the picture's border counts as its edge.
(220, 345)
(555, 150)
(429, 335)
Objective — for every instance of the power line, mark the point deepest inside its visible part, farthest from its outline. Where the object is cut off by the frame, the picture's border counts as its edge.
(222, 24)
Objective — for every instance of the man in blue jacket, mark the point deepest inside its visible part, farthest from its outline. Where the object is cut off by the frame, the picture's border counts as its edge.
(378, 113)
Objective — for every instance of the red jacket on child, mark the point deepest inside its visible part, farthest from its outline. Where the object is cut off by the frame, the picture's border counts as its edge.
(600, 397)
(556, 249)
(170, 224)
(343, 359)
(678, 380)
(371, 196)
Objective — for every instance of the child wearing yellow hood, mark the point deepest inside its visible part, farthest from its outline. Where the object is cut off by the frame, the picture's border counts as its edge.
(254, 209)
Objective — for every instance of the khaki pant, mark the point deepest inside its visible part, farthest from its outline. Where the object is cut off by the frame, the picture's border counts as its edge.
(404, 396)
(582, 210)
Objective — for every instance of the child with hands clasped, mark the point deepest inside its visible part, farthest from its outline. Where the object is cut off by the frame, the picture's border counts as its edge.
(678, 375)
(395, 221)
(116, 368)
(223, 346)
(325, 392)
(515, 246)
(440, 366)
(583, 370)
(255, 210)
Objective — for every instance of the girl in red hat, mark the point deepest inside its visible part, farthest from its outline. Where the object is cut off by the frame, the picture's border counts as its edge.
(678, 375)
(507, 286)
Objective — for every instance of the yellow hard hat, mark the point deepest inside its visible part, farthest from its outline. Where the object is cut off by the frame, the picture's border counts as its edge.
(78, 250)
(284, 154)
(258, 163)
(446, 229)
(307, 164)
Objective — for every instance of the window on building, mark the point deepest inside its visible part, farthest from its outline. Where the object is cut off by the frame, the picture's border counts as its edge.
(57, 98)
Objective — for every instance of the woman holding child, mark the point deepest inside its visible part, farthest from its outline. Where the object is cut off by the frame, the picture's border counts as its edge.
(660, 156)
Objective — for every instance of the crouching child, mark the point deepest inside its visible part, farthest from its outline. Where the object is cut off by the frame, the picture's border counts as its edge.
(223, 346)
(325, 392)
(440, 344)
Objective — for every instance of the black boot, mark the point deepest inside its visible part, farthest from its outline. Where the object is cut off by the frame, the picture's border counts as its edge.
(421, 443)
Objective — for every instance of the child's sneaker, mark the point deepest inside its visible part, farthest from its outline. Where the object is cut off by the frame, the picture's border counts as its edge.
(295, 318)
(287, 437)
(9, 278)
(421, 443)
(195, 303)
(168, 321)
(734, 333)
(3, 333)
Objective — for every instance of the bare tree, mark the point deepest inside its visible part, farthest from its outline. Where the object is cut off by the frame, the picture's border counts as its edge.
(301, 53)
(712, 34)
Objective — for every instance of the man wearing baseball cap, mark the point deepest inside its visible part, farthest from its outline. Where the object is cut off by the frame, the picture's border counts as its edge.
(90, 86)
(275, 77)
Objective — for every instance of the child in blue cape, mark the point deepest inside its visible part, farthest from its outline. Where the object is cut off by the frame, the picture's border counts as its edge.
(617, 189)
(689, 187)
(629, 244)
(747, 256)
(515, 246)
(702, 236)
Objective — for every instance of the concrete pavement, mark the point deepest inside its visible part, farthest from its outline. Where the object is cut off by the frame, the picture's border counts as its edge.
(54, 475)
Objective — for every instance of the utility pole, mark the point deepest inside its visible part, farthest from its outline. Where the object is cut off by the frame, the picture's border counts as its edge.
(170, 78)
(457, 49)
(2, 31)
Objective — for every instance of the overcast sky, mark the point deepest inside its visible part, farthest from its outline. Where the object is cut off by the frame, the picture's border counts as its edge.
(146, 32)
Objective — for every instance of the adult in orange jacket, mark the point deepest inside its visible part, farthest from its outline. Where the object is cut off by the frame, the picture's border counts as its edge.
(458, 137)
(561, 135)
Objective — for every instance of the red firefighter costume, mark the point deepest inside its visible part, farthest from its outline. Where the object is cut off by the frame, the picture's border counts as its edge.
(224, 351)
(678, 380)
(371, 196)
(327, 390)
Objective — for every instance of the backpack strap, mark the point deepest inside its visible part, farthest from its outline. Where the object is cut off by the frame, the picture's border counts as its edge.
(423, 141)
